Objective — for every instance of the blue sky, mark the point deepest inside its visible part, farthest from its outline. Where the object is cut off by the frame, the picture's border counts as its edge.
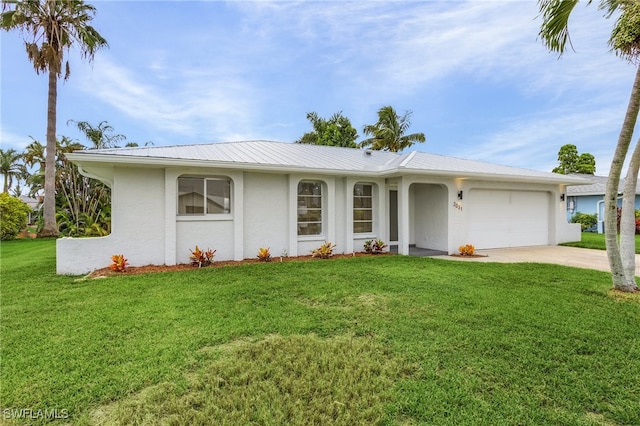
(479, 81)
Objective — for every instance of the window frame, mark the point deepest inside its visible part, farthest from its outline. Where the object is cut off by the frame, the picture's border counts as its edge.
(304, 205)
(358, 207)
(227, 198)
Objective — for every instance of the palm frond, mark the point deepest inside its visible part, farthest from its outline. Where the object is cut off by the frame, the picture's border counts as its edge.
(554, 30)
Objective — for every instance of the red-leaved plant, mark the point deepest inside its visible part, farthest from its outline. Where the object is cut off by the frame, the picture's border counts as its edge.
(264, 255)
(201, 258)
(119, 263)
(376, 246)
(325, 251)
(467, 250)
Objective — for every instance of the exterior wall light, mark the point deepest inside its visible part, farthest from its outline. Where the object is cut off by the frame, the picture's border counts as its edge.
(459, 195)
(561, 197)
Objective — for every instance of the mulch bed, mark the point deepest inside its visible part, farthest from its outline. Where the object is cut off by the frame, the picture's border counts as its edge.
(135, 270)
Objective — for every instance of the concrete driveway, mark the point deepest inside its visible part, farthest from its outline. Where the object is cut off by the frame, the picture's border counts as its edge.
(568, 256)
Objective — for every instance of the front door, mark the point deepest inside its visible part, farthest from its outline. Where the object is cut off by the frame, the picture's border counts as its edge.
(393, 216)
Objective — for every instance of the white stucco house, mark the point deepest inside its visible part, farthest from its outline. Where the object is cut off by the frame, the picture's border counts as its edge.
(237, 197)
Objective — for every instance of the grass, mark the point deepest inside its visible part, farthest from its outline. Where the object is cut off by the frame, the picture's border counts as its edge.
(592, 240)
(370, 340)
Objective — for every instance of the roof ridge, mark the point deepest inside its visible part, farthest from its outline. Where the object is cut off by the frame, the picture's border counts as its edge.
(407, 159)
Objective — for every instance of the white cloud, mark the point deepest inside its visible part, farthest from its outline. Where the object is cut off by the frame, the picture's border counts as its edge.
(9, 140)
(533, 141)
(199, 104)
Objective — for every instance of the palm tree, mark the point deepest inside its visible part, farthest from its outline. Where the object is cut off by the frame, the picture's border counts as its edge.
(101, 136)
(51, 28)
(35, 155)
(388, 133)
(625, 41)
(11, 167)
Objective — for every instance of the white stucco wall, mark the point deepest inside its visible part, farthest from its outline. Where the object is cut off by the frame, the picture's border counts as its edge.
(266, 213)
(430, 216)
(341, 219)
(138, 215)
(137, 225)
(206, 234)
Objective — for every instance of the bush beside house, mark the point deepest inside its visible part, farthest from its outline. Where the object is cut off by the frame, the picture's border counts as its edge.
(586, 221)
(14, 215)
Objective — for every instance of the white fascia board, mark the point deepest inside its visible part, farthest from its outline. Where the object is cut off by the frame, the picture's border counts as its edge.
(86, 158)
(557, 180)
(179, 162)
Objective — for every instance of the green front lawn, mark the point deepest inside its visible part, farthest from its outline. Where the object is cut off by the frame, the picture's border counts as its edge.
(369, 340)
(591, 240)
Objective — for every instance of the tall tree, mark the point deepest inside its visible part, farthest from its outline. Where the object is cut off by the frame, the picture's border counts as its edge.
(571, 162)
(388, 133)
(336, 131)
(51, 28)
(101, 136)
(11, 167)
(624, 40)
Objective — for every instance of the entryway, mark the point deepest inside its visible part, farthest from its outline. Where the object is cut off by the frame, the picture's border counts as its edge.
(420, 252)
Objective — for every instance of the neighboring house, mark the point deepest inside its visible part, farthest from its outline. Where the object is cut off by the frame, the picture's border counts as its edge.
(34, 205)
(240, 196)
(589, 199)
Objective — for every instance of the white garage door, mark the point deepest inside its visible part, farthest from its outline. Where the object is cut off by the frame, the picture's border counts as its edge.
(508, 218)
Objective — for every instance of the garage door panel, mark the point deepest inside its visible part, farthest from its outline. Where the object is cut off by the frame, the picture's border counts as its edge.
(499, 218)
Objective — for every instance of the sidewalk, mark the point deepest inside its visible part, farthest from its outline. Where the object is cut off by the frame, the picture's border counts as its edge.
(568, 256)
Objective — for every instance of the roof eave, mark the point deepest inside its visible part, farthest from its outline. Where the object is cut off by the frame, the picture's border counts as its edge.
(82, 158)
(559, 180)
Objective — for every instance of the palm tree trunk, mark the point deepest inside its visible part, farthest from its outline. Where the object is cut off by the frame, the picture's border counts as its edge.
(610, 203)
(50, 228)
(628, 219)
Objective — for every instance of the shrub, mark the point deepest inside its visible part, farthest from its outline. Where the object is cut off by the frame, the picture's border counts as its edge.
(14, 214)
(467, 250)
(264, 255)
(119, 263)
(325, 251)
(585, 220)
(201, 258)
(374, 246)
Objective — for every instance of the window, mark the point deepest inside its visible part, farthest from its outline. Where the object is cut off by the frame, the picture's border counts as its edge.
(310, 208)
(193, 191)
(362, 208)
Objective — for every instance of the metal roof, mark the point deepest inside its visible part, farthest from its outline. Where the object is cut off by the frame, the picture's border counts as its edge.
(441, 163)
(281, 156)
(598, 186)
